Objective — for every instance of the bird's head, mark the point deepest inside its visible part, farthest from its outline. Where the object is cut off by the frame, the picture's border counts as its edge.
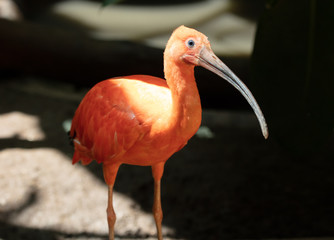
(187, 46)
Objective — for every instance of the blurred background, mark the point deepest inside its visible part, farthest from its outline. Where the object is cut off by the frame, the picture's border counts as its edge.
(228, 182)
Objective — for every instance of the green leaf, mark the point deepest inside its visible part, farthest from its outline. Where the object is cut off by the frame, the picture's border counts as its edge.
(108, 2)
(271, 3)
(293, 72)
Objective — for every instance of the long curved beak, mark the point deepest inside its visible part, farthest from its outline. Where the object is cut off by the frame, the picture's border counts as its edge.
(210, 61)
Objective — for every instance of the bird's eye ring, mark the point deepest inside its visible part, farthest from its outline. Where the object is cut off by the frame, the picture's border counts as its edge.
(190, 43)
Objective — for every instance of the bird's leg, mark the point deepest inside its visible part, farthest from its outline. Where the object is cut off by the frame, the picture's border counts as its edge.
(110, 172)
(111, 216)
(157, 171)
(157, 210)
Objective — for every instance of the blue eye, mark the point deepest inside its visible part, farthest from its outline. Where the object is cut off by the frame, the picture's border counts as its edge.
(190, 43)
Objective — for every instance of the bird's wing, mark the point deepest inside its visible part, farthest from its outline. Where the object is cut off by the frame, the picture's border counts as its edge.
(104, 126)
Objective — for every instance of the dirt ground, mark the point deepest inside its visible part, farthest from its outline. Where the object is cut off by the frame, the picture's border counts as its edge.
(229, 183)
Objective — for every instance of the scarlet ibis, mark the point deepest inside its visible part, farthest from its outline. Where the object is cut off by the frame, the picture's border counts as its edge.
(143, 120)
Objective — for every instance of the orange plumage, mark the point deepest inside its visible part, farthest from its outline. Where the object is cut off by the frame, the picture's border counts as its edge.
(143, 120)
(127, 119)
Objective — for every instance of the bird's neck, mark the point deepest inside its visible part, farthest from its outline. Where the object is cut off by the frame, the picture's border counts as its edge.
(186, 110)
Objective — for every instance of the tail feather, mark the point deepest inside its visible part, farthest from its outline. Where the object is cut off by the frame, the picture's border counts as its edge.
(80, 151)
(78, 157)
(70, 137)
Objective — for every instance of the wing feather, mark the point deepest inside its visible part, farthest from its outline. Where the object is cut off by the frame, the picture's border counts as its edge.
(104, 125)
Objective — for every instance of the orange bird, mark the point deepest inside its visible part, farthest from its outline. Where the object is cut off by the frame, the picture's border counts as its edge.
(143, 120)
